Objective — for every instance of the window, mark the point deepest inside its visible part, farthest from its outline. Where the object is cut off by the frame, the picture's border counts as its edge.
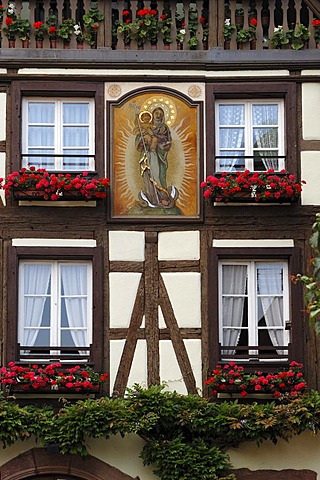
(55, 304)
(253, 307)
(249, 135)
(58, 134)
(58, 125)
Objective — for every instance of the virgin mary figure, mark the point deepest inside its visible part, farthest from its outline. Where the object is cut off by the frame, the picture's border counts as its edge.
(153, 141)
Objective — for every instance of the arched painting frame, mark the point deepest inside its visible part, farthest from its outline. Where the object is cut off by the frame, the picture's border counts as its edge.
(156, 156)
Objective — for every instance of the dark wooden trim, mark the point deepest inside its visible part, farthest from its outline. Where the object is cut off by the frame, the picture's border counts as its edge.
(53, 88)
(151, 308)
(292, 255)
(164, 333)
(179, 265)
(177, 341)
(123, 266)
(314, 6)
(125, 363)
(55, 253)
(251, 90)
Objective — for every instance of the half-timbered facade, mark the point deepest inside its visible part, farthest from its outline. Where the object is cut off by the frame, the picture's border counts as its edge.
(154, 283)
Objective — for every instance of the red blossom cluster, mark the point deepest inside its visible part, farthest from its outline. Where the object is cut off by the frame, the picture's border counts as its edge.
(253, 22)
(231, 378)
(55, 185)
(143, 12)
(316, 23)
(38, 25)
(52, 377)
(258, 186)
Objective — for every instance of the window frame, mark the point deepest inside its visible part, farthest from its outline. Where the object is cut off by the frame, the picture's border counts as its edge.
(58, 125)
(55, 326)
(94, 255)
(251, 91)
(248, 127)
(292, 257)
(64, 90)
(252, 297)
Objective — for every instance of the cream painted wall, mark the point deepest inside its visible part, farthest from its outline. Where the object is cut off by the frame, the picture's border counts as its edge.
(310, 172)
(302, 452)
(310, 114)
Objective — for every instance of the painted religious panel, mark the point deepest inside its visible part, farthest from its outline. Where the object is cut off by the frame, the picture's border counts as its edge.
(155, 167)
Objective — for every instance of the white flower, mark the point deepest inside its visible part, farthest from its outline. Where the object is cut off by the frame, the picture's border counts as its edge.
(77, 29)
(277, 29)
(183, 31)
(227, 22)
(10, 9)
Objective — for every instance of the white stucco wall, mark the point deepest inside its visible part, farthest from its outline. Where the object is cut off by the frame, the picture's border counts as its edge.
(310, 172)
(301, 452)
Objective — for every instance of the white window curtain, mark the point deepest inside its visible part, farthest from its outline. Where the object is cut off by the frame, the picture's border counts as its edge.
(231, 138)
(36, 283)
(57, 127)
(269, 283)
(74, 286)
(234, 281)
(265, 133)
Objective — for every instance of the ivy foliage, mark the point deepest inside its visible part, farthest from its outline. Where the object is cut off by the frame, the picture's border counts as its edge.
(186, 436)
(312, 283)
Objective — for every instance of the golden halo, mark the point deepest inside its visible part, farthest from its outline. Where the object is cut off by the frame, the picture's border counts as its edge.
(143, 113)
(169, 108)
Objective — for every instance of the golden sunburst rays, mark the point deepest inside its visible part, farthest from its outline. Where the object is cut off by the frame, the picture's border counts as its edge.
(182, 158)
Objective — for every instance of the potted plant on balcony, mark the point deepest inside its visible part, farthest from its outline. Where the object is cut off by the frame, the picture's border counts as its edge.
(1, 15)
(51, 28)
(10, 30)
(91, 21)
(252, 187)
(145, 27)
(243, 36)
(253, 33)
(38, 184)
(77, 30)
(124, 27)
(300, 37)
(23, 28)
(316, 31)
(165, 24)
(181, 33)
(232, 379)
(193, 28)
(280, 37)
(65, 31)
(205, 29)
(39, 31)
(228, 30)
(51, 378)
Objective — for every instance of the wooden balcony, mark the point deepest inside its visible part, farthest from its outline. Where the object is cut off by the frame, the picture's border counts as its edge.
(197, 25)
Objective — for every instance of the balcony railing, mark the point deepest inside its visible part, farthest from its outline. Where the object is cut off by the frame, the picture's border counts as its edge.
(254, 354)
(47, 354)
(180, 25)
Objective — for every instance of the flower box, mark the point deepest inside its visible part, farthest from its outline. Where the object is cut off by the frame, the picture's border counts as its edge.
(50, 379)
(252, 187)
(38, 184)
(31, 194)
(251, 197)
(232, 381)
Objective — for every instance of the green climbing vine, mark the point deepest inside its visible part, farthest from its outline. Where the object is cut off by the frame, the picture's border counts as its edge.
(312, 283)
(186, 436)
